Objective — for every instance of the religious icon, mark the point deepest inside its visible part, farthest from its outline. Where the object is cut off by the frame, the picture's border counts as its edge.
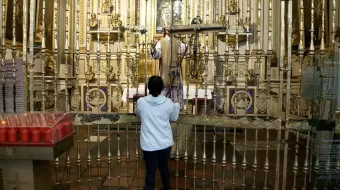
(107, 7)
(232, 7)
(93, 21)
(49, 16)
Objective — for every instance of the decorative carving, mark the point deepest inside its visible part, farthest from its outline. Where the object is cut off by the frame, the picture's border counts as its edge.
(93, 21)
(241, 101)
(89, 74)
(262, 104)
(116, 98)
(96, 99)
(115, 20)
(49, 66)
(232, 7)
(107, 7)
(75, 100)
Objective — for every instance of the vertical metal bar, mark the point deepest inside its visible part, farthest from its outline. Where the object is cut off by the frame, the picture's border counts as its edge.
(67, 53)
(77, 54)
(233, 161)
(195, 155)
(306, 164)
(186, 158)
(258, 52)
(14, 54)
(127, 154)
(224, 158)
(88, 59)
(301, 54)
(24, 51)
(118, 155)
(254, 166)
(288, 89)
(31, 41)
(137, 155)
(98, 55)
(333, 22)
(296, 162)
(213, 161)
(78, 159)
(146, 50)
(311, 47)
(216, 54)
(226, 52)
(67, 106)
(266, 162)
(3, 57)
(282, 51)
(43, 52)
(236, 54)
(244, 160)
(204, 156)
(128, 58)
(88, 161)
(269, 52)
(177, 154)
(55, 53)
(247, 50)
(316, 167)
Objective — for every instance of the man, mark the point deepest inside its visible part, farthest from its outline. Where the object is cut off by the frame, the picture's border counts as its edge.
(170, 66)
(171, 72)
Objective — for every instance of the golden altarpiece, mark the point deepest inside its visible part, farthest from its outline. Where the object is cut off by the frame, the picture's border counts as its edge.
(100, 49)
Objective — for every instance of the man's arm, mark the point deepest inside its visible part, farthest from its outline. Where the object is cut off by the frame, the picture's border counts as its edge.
(138, 108)
(175, 112)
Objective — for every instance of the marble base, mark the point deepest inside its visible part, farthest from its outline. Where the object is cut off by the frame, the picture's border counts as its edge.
(26, 174)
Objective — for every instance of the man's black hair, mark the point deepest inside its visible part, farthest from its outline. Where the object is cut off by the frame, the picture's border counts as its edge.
(155, 85)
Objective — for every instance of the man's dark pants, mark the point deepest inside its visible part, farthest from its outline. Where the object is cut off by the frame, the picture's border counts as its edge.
(153, 160)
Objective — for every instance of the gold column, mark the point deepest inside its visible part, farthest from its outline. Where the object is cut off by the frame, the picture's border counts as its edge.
(3, 56)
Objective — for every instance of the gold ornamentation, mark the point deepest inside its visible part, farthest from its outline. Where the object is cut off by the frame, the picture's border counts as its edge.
(93, 22)
(49, 68)
(241, 101)
(223, 20)
(94, 101)
(107, 7)
(115, 21)
(232, 7)
(89, 74)
(116, 94)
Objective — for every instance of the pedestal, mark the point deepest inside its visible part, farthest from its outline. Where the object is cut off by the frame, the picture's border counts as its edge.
(26, 174)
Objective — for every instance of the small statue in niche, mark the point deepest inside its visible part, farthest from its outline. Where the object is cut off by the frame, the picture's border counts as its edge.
(107, 7)
(232, 7)
(50, 63)
(251, 79)
(115, 21)
(110, 74)
(222, 20)
(93, 21)
(89, 74)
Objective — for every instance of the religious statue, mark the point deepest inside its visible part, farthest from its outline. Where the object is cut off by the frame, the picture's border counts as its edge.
(50, 63)
(337, 34)
(39, 32)
(110, 74)
(89, 74)
(232, 7)
(115, 21)
(107, 7)
(93, 21)
(223, 20)
(165, 15)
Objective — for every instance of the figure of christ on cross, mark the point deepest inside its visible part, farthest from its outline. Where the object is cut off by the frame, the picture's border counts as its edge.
(170, 65)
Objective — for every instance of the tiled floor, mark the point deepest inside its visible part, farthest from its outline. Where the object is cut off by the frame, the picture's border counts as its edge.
(127, 172)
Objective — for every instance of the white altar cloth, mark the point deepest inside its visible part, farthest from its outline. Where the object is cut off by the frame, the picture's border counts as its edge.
(192, 92)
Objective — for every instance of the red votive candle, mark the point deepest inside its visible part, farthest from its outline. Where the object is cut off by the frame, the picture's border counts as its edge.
(35, 133)
(3, 134)
(12, 135)
(24, 134)
(48, 135)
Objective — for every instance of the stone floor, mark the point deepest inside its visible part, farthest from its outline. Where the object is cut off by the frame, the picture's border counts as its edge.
(128, 172)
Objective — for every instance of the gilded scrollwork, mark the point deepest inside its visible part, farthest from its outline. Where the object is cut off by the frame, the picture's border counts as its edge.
(116, 94)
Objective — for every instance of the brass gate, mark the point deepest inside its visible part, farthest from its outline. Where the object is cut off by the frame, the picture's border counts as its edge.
(250, 116)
